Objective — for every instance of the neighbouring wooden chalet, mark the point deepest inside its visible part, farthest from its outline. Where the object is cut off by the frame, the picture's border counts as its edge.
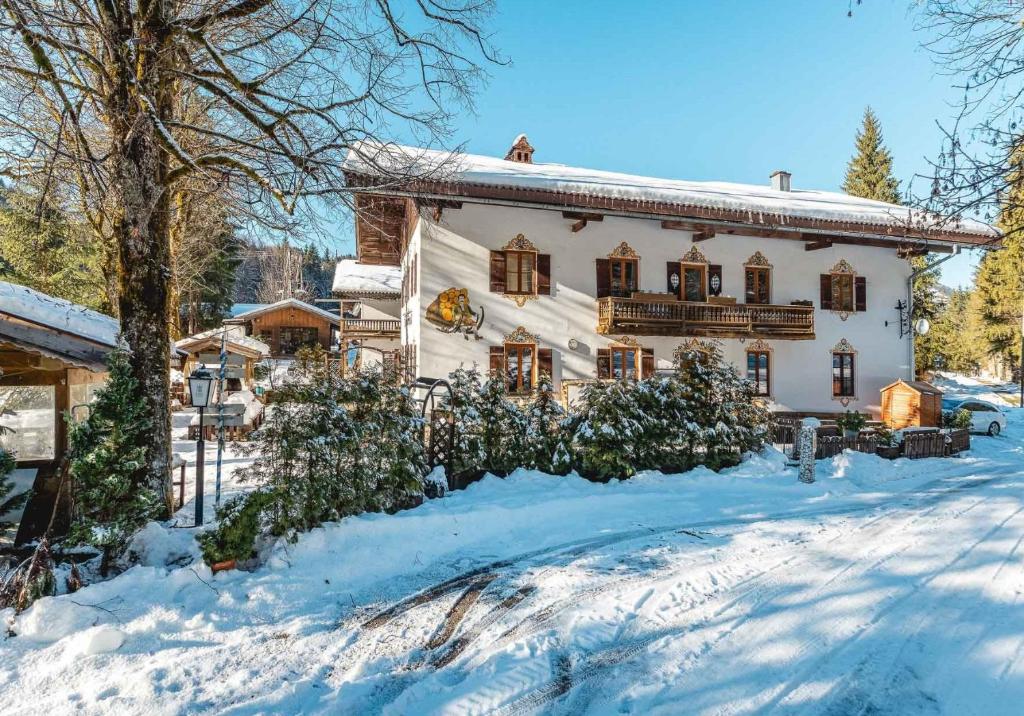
(593, 275)
(52, 360)
(288, 325)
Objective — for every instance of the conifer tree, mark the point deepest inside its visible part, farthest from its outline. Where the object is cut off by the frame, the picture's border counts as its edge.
(546, 449)
(608, 431)
(464, 404)
(112, 498)
(7, 501)
(869, 175)
(503, 428)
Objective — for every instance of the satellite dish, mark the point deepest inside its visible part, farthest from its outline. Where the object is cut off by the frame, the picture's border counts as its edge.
(922, 326)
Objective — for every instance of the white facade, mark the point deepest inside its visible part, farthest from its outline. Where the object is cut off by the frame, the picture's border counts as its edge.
(454, 251)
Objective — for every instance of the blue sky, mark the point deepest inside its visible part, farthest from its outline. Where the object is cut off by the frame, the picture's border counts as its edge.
(723, 89)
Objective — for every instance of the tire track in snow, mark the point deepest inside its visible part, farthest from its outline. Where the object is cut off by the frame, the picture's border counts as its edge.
(601, 661)
(794, 684)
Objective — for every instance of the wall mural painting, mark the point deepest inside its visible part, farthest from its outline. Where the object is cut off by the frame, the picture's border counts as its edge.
(451, 312)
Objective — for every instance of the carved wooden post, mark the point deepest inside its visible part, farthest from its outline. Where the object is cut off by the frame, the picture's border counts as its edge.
(808, 447)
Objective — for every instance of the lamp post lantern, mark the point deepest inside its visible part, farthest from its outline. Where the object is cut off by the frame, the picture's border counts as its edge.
(200, 385)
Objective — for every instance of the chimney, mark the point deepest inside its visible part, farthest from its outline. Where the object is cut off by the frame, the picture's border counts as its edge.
(521, 151)
(780, 180)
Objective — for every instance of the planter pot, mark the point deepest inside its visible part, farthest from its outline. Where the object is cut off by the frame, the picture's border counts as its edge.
(889, 452)
(222, 566)
(851, 433)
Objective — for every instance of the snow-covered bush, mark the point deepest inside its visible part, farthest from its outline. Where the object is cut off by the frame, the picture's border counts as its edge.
(608, 430)
(851, 421)
(328, 450)
(725, 416)
(546, 446)
(464, 405)
(107, 453)
(503, 428)
(959, 419)
(8, 502)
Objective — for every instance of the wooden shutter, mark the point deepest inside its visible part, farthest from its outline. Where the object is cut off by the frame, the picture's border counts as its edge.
(860, 292)
(544, 274)
(672, 268)
(544, 362)
(714, 270)
(604, 278)
(497, 360)
(604, 363)
(497, 272)
(646, 362)
(826, 292)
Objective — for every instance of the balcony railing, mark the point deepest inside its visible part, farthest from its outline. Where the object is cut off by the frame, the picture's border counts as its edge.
(353, 327)
(645, 317)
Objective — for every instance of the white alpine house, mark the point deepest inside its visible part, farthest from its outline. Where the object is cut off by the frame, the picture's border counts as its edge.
(521, 268)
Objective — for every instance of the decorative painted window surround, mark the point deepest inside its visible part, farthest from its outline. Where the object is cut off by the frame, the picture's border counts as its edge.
(757, 279)
(844, 372)
(759, 367)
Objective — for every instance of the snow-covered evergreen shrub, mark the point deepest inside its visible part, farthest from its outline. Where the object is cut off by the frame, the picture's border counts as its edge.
(107, 452)
(608, 430)
(726, 418)
(546, 446)
(503, 428)
(464, 405)
(240, 521)
(959, 419)
(327, 451)
(665, 442)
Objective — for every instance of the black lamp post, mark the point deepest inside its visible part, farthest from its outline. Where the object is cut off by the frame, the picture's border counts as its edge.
(200, 385)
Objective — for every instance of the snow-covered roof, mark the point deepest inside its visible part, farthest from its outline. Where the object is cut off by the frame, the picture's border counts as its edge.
(352, 277)
(239, 308)
(233, 336)
(577, 186)
(33, 306)
(285, 303)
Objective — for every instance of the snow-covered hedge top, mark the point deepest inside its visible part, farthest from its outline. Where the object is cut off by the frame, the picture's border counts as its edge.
(760, 204)
(30, 305)
(350, 276)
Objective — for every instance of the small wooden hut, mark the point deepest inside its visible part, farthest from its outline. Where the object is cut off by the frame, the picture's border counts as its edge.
(52, 359)
(243, 353)
(911, 403)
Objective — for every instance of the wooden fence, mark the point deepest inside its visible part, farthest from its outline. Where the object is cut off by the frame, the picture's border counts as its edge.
(917, 445)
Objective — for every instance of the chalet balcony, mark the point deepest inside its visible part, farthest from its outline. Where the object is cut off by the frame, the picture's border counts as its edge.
(370, 327)
(660, 317)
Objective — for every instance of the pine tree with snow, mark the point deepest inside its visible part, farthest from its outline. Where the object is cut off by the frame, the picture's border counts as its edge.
(666, 439)
(464, 405)
(503, 428)
(112, 498)
(725, 418)
(608, 431)
(546, 447)
(8, 502)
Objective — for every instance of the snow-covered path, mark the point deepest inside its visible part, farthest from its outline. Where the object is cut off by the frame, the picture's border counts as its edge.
(902, 608)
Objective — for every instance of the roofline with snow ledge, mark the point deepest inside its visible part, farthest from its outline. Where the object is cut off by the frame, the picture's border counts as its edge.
(704, 221)
(283, 303)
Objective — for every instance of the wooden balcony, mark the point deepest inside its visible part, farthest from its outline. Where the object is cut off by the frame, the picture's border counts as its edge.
(370, 327)
(646, 317)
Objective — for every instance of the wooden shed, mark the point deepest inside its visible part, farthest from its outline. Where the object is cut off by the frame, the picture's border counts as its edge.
(52, 360)
(911, 403)
(242, 355)
(288, 325)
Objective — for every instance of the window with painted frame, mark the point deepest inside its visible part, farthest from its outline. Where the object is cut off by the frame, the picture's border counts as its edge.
(843, 374)
(759, 366)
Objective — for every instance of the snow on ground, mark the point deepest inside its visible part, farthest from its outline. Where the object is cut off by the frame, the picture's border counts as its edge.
(885, 587)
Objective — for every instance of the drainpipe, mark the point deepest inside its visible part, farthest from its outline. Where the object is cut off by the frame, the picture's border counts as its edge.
(910, 299)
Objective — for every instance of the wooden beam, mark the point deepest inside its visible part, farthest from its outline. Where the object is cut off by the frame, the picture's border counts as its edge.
(578, 226)
(589, 216)
(815, 245)
(703, 235)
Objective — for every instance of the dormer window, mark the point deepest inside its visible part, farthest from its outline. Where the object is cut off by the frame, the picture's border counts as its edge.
(521, 151)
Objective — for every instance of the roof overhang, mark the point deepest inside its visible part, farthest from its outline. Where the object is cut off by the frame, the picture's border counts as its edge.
(940, 238)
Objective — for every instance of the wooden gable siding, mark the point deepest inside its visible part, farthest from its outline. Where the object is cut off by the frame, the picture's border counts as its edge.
(269, 324)
(383, 228)
(907, 405)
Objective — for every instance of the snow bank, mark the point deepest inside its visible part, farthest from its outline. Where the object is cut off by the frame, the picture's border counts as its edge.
(350, 276)
(53, 618)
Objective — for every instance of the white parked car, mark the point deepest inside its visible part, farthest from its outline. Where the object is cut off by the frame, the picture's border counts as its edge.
(986, 417)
